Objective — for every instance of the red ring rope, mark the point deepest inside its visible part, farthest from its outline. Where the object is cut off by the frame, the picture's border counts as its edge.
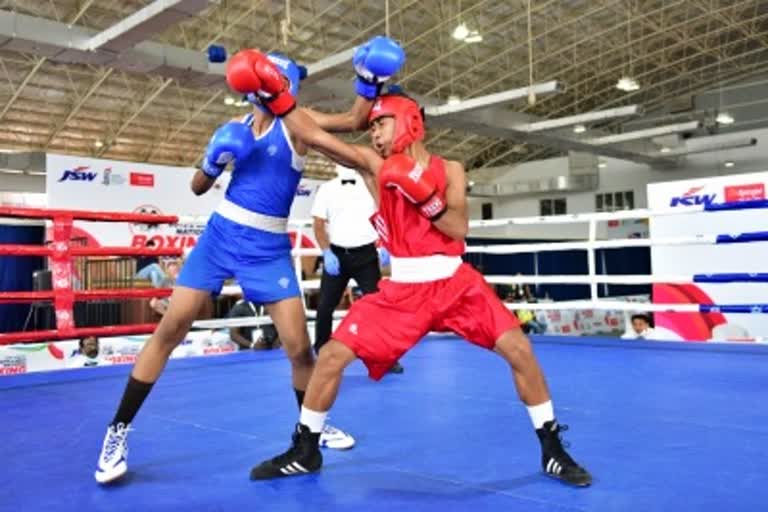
(60, 252)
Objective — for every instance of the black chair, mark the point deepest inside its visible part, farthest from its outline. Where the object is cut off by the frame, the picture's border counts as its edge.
(41, 314)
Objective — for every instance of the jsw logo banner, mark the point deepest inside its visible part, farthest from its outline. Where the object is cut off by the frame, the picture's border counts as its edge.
(111, 185)
(82, 173)
(694, 196)
(689, 196)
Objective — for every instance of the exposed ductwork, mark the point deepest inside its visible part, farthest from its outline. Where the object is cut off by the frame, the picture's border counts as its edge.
(116, 47)
(583, 175)
(59, 42)
(573, 183)
(27, 162)
(144, 23)
(63, 43)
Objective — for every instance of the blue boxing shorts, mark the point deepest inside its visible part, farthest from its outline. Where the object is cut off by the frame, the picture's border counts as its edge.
(260, 261)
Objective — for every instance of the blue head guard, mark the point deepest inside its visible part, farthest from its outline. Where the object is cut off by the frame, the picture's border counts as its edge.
(292, 71)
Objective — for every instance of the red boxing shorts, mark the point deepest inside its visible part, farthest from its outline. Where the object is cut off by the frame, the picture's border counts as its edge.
(382, 326)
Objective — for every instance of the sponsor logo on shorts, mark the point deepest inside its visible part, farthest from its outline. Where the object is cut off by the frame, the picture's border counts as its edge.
(353, 329)
(284, 282)
(747, 192)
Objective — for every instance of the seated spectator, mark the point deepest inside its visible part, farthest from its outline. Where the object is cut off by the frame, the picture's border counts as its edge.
(160, 305)
(148, 267)
(244, 336)
(519, 293)
(528, 322)
(87, 353)
(640, 328)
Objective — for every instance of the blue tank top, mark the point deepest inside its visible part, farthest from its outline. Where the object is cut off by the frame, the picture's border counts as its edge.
(266, 181)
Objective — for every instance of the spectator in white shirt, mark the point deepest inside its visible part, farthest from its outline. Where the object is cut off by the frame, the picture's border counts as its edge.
(87, 353)
(640, 328)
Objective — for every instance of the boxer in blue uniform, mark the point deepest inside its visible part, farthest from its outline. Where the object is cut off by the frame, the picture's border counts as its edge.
(246, 238)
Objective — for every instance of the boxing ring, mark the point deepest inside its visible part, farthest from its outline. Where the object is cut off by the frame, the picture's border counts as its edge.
(661, 425)
(60, 253)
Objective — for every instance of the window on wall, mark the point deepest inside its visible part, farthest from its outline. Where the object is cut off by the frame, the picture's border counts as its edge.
(613, 201)
(487, 211)
(554, 206)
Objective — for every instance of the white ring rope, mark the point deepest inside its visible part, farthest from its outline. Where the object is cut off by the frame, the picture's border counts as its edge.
(592, 244)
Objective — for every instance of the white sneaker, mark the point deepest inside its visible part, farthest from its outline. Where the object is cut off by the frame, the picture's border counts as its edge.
(331, 437)
(113, 461)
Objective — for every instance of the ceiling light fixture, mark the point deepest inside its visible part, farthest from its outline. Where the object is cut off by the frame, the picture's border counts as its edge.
(453, 100)
(627, 84)
(229, 100)
(98, 144)
(461, 32)
(464, 34)
(474, 37)
(729, 164)
(724, 118)
(579, 128)
(665, 149)
(602, 165)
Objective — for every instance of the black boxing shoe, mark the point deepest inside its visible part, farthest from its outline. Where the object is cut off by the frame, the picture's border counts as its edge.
(555, 461)
(301, 458)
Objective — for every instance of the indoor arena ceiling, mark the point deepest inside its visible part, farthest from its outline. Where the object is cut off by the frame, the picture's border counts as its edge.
(674, 49)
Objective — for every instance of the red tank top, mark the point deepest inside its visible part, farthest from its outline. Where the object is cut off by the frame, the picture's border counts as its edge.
(404, 231)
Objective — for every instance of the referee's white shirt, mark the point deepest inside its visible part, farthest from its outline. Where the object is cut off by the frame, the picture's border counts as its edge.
(346, 210)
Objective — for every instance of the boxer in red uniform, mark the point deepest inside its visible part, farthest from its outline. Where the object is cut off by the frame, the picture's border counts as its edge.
(422, 219)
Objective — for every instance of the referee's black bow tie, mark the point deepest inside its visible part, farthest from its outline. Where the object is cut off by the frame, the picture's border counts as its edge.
(347, 182)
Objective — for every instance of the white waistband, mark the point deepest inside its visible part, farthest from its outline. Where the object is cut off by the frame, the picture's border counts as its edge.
(423, 269)
(240, 215)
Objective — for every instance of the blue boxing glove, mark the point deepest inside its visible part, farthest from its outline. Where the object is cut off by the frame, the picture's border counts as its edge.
(375, 62)
(383, 257)
(230, 141)
(330, 262)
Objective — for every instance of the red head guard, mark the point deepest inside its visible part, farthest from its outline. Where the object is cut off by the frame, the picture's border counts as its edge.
(409, 123)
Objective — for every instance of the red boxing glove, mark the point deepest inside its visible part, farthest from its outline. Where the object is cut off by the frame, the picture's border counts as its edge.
(241, 76)
(251, 71)
(415, 183)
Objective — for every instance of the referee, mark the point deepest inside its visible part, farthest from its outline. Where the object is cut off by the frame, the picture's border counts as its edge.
(341, 211)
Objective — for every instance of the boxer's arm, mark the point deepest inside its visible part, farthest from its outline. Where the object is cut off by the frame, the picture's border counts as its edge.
(455, 221)
(201, 183)
(356, 118)
(360, 158)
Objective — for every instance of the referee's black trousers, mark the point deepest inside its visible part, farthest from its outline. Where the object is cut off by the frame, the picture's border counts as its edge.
(359, 263)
